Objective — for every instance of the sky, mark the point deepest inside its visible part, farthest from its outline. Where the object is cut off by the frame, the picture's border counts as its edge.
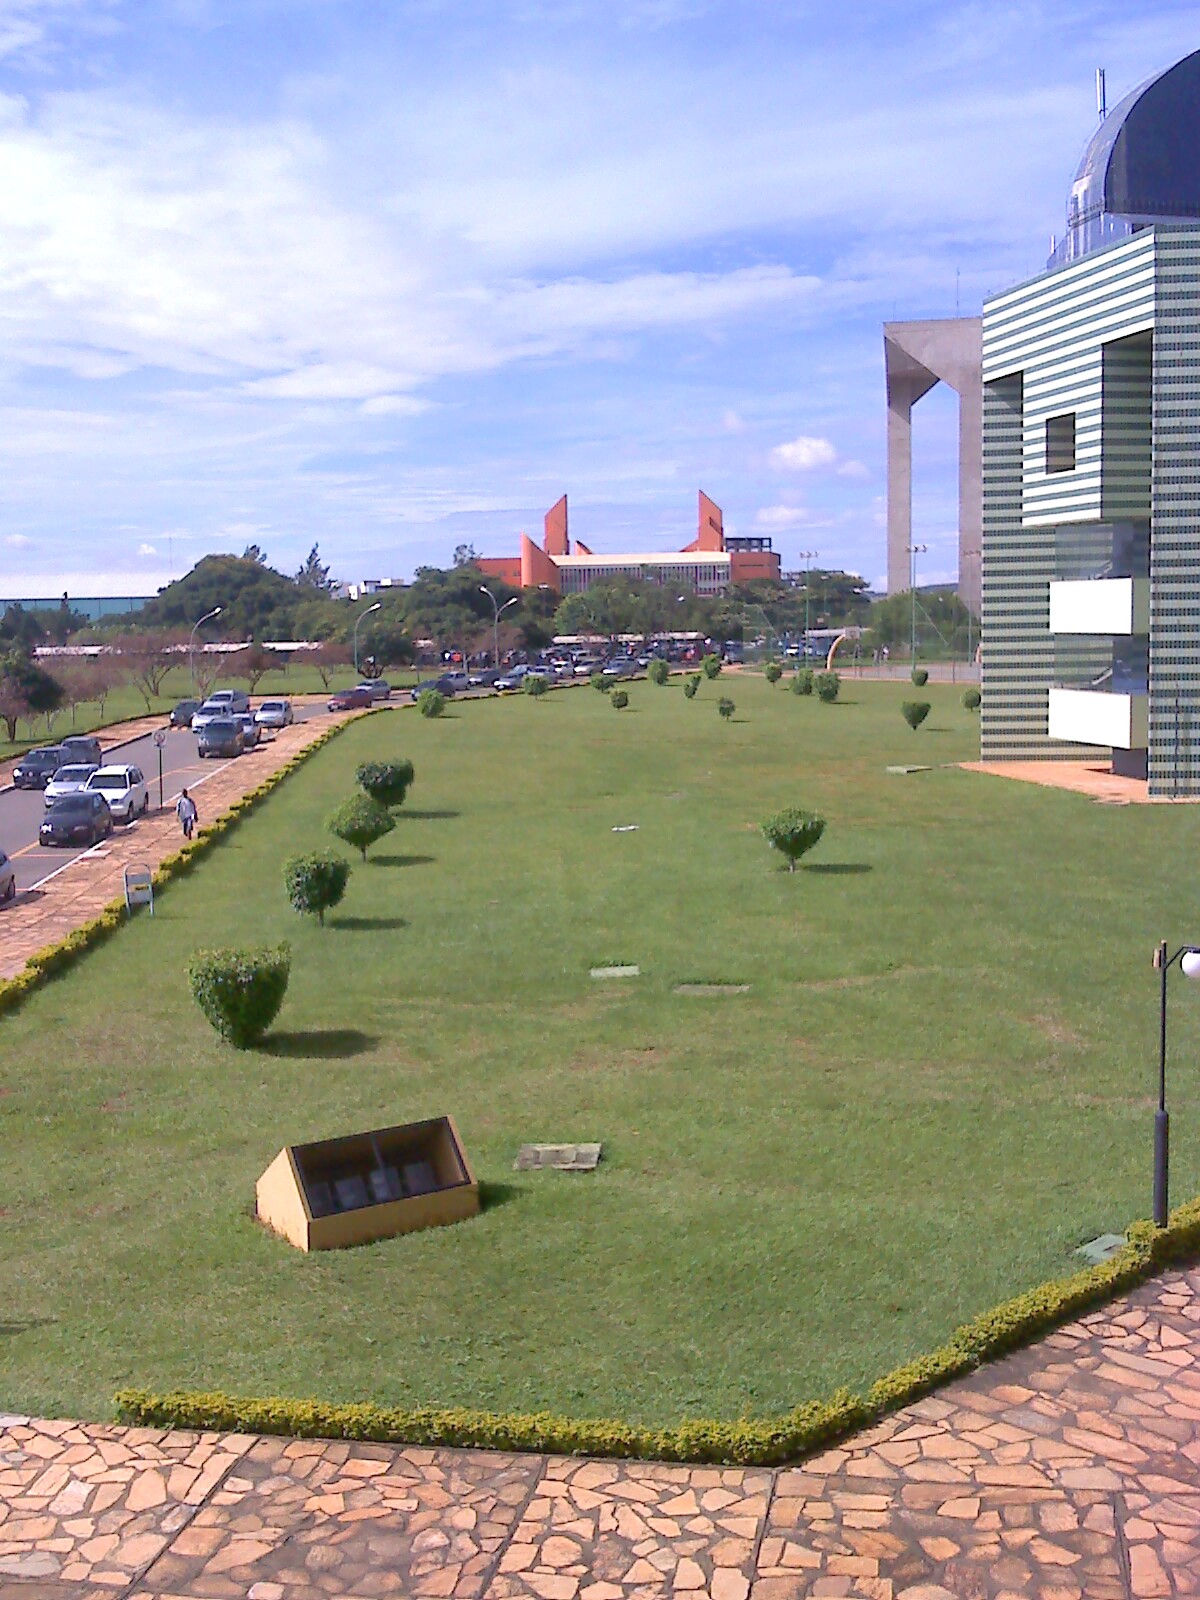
(390, 276)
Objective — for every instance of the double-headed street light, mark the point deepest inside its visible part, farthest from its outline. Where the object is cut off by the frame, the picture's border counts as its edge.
(808, 557)
(358, 623)
(207, 617)
(497, 609)
(914, 550)
(1188, 957)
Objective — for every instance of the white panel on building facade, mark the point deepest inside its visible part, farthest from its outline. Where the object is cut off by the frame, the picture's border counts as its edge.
(1115, 606)
(1086, 716)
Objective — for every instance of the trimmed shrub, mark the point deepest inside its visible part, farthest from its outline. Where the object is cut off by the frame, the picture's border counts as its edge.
(972, 699)
(711, 666)
(598, 681)
(658, 671)
(534, 685)
(691, 685)
(793, 833)
(360, 821)
(915, 712)
(828, 684)
(619, 699)
(386, 781)
(802, 683)
(431, 703)
(772, 672)
(726, 708)
(240, 991)
(317, 882)
(920, 677)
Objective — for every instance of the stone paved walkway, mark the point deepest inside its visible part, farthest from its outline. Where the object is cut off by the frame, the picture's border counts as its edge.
(1069, 1471)
(1091, 778)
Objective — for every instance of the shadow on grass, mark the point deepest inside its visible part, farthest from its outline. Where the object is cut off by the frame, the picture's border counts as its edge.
(839, 869)
(496, 1194)
(401, 861)
(327, 1044)
(428, 816)
(366, 924)
(10, 1330)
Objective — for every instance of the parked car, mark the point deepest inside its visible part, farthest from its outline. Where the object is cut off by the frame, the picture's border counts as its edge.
(81, 748)
(37, 767)
(376, 688)
(585, 666)
(8, 880)
(230, 699)
(209, 711)
(350, 700)
(82, 818)
(125, 790)
(220, 736)
(181, 716)
(274, 714)
(449, 684)
(508, 680)
(69, 780)
(252, 732)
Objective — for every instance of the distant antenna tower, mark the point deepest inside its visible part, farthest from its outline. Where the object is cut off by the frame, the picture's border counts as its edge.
(1101, 94)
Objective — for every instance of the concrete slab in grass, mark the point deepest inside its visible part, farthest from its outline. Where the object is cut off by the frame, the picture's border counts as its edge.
(616, 972)
(557, 1157)
(905, 772)
(711, 988)
(1097, 1251)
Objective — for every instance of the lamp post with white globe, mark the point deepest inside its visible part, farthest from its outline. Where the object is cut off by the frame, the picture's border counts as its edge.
(1188, 957)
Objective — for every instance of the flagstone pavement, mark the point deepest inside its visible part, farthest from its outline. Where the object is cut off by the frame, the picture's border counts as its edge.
(1068, 1471)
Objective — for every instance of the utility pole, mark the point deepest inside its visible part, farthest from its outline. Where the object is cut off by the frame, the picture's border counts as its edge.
(914, 550)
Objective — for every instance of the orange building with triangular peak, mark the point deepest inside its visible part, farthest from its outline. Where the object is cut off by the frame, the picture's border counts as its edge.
(707, 566)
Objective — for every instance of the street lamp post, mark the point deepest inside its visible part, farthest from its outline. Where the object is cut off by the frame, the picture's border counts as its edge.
(207, 617)
(914, 550)
(358, 623)
(971, 555)
(808, 557)
(496, 610)
(1188, 957)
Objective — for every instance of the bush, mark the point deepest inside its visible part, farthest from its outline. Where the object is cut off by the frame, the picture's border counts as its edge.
(972, 699)
(711, 666)
(658, 672)
(920, 677)
(431, 703)
(772, 672)
(915, 712)
(598, 681)
(726, 707)
(317, 882)
(828, 684)
(691, 685)
(240, 991)
(619, 699)
(534, 685)
(386, 781)
(802, 683)
(793, 833)
(360, 821)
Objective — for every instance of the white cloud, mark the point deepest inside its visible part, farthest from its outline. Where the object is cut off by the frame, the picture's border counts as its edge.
(146, 550)
(805, 454)
(394, 405)
(852, 469)
(780, 517)
(18, 541)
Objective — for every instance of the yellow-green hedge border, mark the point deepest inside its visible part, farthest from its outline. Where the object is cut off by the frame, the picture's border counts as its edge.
(748, 1442)
(56, 958)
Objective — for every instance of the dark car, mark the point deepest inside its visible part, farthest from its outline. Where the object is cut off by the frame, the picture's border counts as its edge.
(223, 736)
(37, 767)
(81, 818)
(447, 686)
(351, 699)
(83, 749)
(181, 716)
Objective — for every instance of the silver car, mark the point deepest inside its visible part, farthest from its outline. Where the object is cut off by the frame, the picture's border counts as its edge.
(274, 714)
(8, 880)
(68, 780)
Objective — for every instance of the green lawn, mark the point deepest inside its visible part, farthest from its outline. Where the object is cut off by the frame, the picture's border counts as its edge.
(936, 1087)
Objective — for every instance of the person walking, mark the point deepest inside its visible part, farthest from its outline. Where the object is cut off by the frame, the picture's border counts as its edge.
(185, 810)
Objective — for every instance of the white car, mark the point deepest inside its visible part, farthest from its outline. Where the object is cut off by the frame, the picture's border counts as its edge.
(274, 714)
(125, 790)
(210, 711)
(68, 780)
(8, 880)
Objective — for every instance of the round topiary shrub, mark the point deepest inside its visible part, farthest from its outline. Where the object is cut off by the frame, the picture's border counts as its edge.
(915, 712)
(772, 672)
(920, 677)
(691, 685)
(711, 666)
(619, 699)
(802, 683)
(658, 672)
(598, 681)
(360, 821)
(240, 991)
(534, 685)
(793, 833)
(972, 699)
(726, 708)
(431, 702)
(316, 883)
(828, 684)
(385, 781)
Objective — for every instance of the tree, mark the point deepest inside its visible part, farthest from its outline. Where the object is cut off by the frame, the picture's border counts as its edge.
(802, 683)
(465, 555)
(920, 677)
(972, 699)
(828, 685)
(431, 703)
(387, 782)
(711, 666)
(25, 691)
(658, 672)
(598, 682)
(534, 685)
(240, 991)
(148, 657)
(793, 833)
(255, 553)
(691, 685)
(331, 658)
(726, 707)
(313, 573)
(316, 883)
(619, 699)
(254, 664)
(773, 672)
(255, 600)
(360, 821)
(915, 712)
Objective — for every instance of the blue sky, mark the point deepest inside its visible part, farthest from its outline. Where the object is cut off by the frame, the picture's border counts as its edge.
(395, 275)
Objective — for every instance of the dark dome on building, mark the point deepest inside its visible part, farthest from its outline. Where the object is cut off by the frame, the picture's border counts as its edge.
(1142, 165)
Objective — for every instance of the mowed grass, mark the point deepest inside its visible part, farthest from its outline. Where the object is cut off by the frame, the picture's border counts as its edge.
(938, 1085)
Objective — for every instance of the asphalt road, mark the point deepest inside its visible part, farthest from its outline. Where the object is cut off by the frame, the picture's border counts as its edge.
(21, 810)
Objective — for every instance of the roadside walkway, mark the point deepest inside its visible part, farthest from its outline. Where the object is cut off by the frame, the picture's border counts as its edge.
(1091, 778)
(1069, 1471)
(86, 884)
